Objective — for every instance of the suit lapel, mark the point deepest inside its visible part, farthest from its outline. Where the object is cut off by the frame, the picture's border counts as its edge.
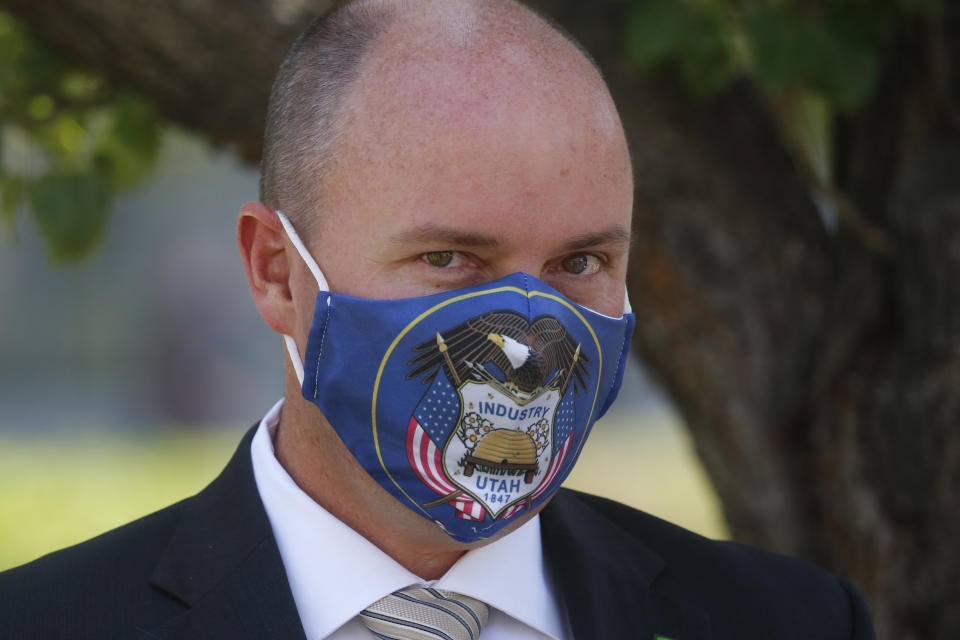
(223, 564)
(608, 578)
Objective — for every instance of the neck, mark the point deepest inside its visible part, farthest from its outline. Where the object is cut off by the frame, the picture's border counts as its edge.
(317, 460)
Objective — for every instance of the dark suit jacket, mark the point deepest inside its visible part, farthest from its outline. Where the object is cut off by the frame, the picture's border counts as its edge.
(208, 567)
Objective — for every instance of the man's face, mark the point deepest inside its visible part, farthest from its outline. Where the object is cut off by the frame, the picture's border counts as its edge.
(451, 178)
(488, 148)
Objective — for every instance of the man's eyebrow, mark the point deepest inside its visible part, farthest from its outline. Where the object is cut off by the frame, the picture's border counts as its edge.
(613, 235)
(446, 236)
(449, 236)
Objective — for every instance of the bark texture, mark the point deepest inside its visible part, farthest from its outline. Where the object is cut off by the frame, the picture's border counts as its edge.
(817, 367)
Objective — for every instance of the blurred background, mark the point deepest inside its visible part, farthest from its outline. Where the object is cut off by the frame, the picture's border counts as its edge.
(126, 380)
(796, 367)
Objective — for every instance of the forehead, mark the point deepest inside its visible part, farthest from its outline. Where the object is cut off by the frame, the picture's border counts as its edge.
(496, 123)
(464, 74)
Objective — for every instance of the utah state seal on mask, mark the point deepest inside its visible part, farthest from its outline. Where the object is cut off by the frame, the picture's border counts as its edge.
(468, 406)
(497, 422)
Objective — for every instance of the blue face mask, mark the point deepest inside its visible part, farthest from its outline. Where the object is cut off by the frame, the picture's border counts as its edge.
(470, 406)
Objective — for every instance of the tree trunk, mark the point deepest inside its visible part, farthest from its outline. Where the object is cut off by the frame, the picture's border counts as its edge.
(817, 367)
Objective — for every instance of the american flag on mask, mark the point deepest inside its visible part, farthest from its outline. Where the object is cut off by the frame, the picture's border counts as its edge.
(431, 424)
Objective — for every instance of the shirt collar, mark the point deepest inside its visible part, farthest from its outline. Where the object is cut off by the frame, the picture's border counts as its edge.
(334, 572)
(510, 574)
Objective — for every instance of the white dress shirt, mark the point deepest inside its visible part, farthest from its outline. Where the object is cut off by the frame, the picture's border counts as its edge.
(335, 573)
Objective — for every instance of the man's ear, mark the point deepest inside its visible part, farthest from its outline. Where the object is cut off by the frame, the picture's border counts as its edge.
(260, 238)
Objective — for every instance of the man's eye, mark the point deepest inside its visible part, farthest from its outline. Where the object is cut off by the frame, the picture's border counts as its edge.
(439, 258)
(581, 264)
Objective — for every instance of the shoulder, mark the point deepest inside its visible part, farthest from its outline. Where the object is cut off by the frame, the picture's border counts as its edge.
(63, 594)
(690, 554)
(141, 575)
(738, 586)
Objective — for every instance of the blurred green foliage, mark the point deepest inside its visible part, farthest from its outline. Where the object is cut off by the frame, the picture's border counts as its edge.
(830, 48)
(68, 143)
(814, 59)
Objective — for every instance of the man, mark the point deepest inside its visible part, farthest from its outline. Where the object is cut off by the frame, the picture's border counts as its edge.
(443, 241)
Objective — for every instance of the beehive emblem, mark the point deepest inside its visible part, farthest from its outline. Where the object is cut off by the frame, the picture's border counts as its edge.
(504, 450)
(496, 423)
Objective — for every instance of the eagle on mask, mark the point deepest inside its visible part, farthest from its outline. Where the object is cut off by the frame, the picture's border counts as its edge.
(533, 356)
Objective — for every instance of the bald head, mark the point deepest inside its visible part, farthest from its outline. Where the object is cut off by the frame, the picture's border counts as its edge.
(371, 70)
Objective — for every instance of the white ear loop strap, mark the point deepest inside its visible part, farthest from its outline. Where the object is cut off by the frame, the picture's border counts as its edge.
(626, 300)
(291, 344)
(302, 250)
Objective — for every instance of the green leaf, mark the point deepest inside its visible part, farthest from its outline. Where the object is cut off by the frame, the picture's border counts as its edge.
(85, 142)
(71, 210)
(40, 107)
(661, 29)
(708, 69)
(81, 86)
(130, 143)
(849, 75)
(862, 23)
(790, 51)
(781, 45)
(690, 34)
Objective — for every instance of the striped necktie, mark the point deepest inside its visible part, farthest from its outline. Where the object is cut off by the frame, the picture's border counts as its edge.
(425, 614)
